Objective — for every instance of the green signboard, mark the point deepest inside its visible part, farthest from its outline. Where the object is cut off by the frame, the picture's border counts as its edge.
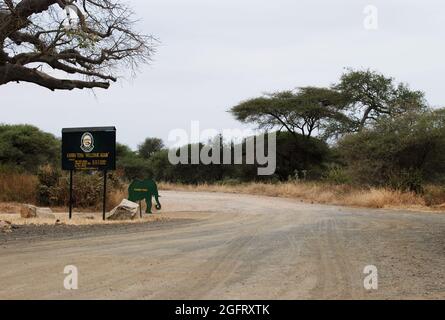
(89, 149)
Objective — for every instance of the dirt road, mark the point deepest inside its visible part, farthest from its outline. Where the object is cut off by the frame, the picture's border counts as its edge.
(222, 246)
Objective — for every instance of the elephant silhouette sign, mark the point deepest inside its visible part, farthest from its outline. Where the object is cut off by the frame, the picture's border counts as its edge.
(144, 190)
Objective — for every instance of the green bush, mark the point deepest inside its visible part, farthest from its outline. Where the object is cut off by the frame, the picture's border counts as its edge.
(407, 180)
(26, 147)
(402, 152)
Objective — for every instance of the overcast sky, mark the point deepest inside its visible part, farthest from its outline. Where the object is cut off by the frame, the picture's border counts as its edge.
(214, 54)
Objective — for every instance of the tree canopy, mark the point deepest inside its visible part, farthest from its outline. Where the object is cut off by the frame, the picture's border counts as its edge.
(368, 95)
(87, 39)
(26, 147)
(149, 147)
(357, 101)
(301, 112)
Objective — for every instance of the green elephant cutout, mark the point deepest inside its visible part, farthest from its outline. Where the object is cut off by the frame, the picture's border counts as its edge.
(144, 190)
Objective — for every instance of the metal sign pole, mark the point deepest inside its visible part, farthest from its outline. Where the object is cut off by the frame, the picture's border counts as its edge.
(71, 194)
(105, 194)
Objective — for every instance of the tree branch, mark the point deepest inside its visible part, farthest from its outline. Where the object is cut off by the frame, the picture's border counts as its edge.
(16, 73)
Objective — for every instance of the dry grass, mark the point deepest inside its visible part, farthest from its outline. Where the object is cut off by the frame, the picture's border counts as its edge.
(15, 187)
(21, 188)
(18, 188)
(323, 193)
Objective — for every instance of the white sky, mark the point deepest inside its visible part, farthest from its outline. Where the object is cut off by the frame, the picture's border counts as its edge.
(214, 54)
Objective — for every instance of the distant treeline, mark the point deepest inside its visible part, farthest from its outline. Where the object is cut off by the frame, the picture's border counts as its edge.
(365, 130)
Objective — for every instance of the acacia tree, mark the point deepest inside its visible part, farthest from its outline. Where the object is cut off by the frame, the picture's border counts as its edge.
(369, 95)
(88, 39)
(305, 112)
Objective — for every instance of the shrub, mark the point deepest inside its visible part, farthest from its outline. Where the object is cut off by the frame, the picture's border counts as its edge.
(337, 175)
(407, 180)
(434, 195)
(53, 188)
(27, 147)
(402, 152)
(48, 178)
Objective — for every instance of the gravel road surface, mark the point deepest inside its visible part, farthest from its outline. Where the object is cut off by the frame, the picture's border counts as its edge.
(230, 246)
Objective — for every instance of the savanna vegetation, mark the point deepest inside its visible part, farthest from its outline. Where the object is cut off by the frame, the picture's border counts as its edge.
(366, 140)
